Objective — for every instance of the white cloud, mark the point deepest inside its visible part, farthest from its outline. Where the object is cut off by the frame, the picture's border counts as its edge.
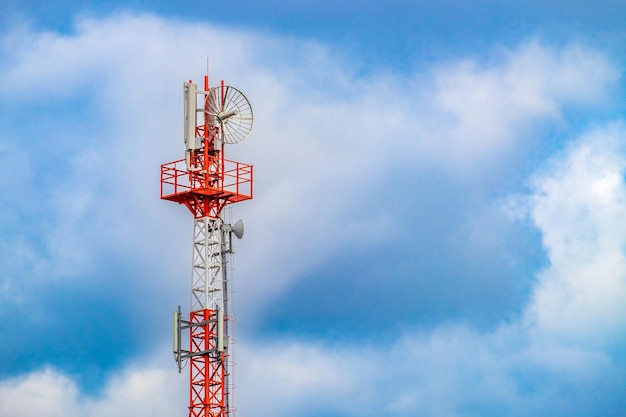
(490, 108)
(41, 393)
(324, 138)
(144, 391)
(580, 204)
(140, 391)
(299, 375)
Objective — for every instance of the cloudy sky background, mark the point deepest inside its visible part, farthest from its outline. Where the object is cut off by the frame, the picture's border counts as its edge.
(438, 223)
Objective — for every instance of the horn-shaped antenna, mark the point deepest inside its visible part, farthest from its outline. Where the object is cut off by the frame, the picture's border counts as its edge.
(238, 229)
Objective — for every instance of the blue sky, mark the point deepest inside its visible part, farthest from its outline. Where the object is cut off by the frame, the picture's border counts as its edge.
(437, 228)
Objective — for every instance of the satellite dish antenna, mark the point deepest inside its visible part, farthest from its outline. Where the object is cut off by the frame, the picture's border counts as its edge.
(231, 111)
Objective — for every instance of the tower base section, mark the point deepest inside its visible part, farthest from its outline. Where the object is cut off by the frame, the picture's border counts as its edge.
(208, 396)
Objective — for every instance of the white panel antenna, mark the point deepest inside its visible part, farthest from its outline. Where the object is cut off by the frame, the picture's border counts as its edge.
(192, 141)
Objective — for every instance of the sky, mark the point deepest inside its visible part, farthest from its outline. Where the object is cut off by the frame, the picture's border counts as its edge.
(437, 226)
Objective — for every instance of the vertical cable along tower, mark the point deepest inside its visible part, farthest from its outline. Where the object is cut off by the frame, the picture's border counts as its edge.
(205, 182)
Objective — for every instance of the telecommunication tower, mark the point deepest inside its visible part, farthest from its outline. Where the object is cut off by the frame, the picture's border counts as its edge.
(205, 182)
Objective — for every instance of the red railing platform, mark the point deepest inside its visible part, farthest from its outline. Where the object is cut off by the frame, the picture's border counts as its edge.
(194, 188)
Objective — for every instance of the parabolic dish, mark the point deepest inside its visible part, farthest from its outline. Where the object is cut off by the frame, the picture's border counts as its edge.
(229, 108)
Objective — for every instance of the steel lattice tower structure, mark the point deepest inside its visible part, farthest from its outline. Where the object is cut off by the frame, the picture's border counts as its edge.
(205, 182)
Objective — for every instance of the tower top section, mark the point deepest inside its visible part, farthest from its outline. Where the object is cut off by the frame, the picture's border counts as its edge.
(204, 181)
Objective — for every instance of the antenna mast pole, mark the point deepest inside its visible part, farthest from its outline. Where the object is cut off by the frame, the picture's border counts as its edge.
(205, 182)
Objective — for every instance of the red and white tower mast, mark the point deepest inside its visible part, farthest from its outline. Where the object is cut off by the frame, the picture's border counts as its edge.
(205, 182)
